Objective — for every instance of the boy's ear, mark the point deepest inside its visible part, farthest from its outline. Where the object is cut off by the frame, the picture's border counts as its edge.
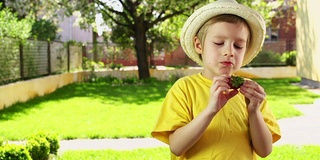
(197, 45)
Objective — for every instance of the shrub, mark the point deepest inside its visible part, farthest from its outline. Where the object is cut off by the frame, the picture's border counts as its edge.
(290, 58)
(114, 66)
(41, 145)
(52, 139)
(267, 58)
(130, 80)
(1, 141)
(39, 148)
(44, 30)
(11, 26)
(14, 152)
(88, 64)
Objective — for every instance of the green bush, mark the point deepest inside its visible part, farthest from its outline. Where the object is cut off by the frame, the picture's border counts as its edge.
(267, 58)
(41, 145)
(114, 66)
(44, 30)
(39, 148)
(52, 139)
(14, 152)
(88, 64)
(12, 27)
(290, 58)
(1, 141)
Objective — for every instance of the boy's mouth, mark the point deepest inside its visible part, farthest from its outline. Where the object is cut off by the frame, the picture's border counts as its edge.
(227, 63)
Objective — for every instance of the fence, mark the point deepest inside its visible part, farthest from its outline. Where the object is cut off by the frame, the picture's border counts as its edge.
(20, 60)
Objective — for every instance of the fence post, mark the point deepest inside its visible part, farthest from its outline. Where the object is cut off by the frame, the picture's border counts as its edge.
(49, 57)
(68, 56)
(21, 60)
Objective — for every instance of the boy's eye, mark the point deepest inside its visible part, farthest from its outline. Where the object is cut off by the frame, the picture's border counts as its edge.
(238, 46)
(220, 43)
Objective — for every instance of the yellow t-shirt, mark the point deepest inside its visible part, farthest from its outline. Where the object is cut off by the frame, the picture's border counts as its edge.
(227, 136)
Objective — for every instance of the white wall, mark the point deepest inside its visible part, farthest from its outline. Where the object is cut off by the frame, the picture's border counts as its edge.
(69, 31)
(308, 41)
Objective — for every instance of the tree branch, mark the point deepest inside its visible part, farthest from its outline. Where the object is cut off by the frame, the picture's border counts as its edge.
(174, 13)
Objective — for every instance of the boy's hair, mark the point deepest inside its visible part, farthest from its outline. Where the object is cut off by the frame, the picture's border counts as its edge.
(230, 18)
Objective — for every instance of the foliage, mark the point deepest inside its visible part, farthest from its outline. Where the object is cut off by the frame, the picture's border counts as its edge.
(1, 141)
(114, 66)
(11, 26)
(290, 58)
(14, 152)
(144, 23)
(267, 58)
(39, 148)
(51, 138)
(36, 9)
(44, 30)
(91, 65)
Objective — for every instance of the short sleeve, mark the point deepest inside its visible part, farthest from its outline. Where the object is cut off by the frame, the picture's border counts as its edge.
(271, 121)
(174, 113)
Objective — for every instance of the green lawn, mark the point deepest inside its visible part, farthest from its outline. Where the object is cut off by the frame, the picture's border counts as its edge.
(286, 152)
(104, 110)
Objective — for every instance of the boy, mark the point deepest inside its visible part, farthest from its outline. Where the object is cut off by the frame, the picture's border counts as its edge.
(202, 117)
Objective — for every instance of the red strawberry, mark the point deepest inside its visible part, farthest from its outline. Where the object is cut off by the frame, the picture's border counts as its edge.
(235, 81)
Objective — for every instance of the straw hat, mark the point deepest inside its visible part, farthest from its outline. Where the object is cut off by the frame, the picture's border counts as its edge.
(203, 14)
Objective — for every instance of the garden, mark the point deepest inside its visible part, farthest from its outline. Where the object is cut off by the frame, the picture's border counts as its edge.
(120, 108)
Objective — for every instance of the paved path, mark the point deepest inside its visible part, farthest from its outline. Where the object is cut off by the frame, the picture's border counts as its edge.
(115, 144)
(302, 130)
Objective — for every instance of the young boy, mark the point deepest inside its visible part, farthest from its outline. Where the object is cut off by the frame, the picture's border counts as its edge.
(202, 117)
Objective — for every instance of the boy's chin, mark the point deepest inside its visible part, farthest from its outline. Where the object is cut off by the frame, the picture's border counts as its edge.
(227, 73)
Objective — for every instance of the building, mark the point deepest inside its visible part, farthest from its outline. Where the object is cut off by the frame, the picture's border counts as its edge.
(69, 31)
(308, 42)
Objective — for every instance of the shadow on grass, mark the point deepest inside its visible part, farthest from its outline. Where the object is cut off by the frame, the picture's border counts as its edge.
(141, 93)
(278, 89)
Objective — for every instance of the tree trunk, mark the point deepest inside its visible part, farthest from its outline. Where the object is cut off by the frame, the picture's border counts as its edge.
(95, 46)
(141, 50)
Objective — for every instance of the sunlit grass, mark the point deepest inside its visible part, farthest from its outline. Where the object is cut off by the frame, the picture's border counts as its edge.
(103, 110)
(290, 152)
(87, 110)
(286, 152)
(160, 153)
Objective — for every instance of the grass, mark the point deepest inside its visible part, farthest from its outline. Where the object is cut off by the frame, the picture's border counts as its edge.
(286, 152)
(160, 153)
(282, 95)
(102, 110)
(87, 110)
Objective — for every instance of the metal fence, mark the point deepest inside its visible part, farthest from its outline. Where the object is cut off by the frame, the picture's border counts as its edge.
(20, 60)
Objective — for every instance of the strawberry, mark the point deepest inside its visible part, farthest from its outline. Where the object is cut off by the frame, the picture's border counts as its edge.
(235, 81)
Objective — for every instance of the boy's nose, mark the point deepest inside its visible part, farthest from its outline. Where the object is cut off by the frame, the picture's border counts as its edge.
(228, 51)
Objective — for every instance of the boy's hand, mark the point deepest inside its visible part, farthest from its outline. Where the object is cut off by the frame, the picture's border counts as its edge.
(254, 94)
(220, 93)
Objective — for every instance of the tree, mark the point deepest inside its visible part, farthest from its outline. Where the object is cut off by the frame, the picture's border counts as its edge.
(43, 13)
(140, 21)
(136, 18)
(44, 30)
(11, 26)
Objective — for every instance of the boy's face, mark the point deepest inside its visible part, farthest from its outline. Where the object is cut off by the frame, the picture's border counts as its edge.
(223, 49)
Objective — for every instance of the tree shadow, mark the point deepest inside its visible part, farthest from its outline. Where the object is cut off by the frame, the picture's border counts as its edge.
(140, 93)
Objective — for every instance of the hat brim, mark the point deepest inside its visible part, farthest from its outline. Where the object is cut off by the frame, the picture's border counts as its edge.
(203, 14)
